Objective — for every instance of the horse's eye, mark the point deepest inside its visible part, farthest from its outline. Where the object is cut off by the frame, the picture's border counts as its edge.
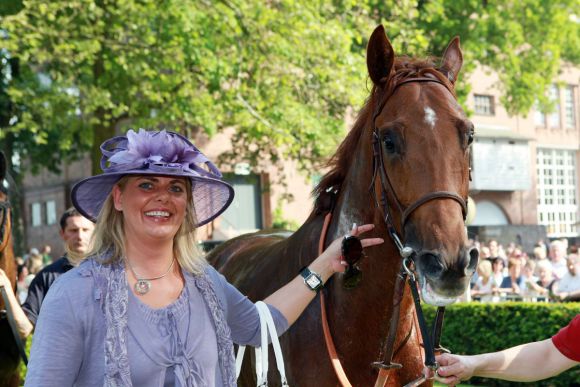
(389, 144)
(470, 136)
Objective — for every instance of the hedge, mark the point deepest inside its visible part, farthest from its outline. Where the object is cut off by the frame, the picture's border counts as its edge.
(473, 328)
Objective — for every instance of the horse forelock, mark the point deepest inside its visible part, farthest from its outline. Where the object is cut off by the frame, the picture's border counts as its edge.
(404, 68)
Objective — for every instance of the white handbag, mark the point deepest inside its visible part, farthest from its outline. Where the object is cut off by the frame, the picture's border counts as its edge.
(266, 327)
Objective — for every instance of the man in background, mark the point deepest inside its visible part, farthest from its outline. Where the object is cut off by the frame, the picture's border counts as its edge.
(568, 287)
(75, 231)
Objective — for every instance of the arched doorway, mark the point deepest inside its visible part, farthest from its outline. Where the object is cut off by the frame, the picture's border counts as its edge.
(488, 213)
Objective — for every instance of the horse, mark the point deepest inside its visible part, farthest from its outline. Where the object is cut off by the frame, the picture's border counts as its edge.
(9, 355)
(404, 166)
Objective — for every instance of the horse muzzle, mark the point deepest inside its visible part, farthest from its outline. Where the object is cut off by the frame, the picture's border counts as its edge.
(443, 279)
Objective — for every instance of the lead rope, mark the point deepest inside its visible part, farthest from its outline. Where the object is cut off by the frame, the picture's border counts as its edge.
(384, 371)
(340, 374)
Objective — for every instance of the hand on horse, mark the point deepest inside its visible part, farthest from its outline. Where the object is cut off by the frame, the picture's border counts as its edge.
(334, 253)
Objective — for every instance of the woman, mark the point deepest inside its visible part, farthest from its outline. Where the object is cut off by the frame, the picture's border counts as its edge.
(145, 309)
(484, 287)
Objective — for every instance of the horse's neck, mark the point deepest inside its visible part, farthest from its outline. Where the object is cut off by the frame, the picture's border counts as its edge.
(372, 298)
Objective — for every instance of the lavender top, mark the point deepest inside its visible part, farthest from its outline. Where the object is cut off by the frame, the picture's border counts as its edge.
(163, 344)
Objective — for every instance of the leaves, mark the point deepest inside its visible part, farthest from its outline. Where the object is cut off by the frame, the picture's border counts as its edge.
(281, 73)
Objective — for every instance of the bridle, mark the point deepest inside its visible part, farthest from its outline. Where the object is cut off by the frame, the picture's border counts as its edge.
(386, 185)
(5, 230)
(430, 340)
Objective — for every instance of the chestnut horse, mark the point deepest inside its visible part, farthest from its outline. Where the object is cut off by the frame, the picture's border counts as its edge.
(410, 147)
(9, 356)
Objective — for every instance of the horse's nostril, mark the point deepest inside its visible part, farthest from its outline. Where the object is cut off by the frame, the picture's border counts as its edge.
(473, 260)
(431, 264)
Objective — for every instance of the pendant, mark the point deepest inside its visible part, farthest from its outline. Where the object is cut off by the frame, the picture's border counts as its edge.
(142, 286)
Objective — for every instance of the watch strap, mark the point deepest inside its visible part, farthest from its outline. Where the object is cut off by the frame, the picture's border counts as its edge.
(311, 279)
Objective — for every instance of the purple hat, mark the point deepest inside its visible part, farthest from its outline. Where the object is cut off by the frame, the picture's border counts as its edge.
(155, 153)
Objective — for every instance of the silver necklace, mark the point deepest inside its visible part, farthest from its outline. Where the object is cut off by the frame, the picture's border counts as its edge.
(143, 285)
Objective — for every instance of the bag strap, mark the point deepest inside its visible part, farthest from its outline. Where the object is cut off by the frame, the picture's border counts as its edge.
(267, 326)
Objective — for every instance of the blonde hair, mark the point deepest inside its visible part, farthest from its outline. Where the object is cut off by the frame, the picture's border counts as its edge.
(539, 252)
(484, 268)
(108, 240)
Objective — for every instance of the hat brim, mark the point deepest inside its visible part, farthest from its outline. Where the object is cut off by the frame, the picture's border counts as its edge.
(211, 197)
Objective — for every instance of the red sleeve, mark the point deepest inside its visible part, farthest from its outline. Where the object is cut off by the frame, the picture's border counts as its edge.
(567, 340)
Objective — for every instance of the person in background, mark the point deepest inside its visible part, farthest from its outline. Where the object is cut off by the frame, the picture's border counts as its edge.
(484, 253)
(22, 283)
(46, 257)
(568, 287)
(529, 279)
(558, 258)
(546, 279)
(484, 287)
(497, 276)
(34, 262)
(513, 282)
(493, 249)
(75, 231)
(524, 363)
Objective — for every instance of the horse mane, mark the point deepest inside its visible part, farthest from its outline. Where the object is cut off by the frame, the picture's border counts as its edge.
(404, 68)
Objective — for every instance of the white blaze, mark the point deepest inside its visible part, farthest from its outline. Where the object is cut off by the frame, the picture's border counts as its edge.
(430, 117)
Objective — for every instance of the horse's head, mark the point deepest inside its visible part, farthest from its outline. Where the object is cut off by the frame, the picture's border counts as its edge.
(422, 139)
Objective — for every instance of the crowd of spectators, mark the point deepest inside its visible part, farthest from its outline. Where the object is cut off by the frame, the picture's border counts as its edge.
(28, 266)
(549, 273)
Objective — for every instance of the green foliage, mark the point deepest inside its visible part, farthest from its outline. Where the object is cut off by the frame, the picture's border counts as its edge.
(279, 222)
(282, 73)
(474, 328)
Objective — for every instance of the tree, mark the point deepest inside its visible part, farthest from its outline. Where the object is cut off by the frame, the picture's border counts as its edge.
(282, 73)
(279, 72)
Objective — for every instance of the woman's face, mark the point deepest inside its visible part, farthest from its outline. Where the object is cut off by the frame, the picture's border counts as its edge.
(153, 206)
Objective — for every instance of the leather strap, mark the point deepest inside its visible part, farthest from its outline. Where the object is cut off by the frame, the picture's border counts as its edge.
(340, 374)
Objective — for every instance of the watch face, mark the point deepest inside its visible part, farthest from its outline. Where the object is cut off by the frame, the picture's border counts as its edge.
(313, 281)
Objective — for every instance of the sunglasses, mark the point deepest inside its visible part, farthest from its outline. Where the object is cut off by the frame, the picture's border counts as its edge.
(352, 252)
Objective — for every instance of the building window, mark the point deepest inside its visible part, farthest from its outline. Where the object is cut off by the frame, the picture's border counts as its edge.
(539, 115)
(570, 111)
(557, 191)
(36, 214)
(484, 105)
(554, 117)
(50, 212)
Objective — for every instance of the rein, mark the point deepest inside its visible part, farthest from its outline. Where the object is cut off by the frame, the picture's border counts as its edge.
(431, 340)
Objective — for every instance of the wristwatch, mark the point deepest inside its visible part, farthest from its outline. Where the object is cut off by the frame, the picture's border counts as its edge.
(311, 279)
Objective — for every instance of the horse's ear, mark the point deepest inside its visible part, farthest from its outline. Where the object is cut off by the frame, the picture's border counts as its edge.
(2, 167)
(452, 60)
(380, 56)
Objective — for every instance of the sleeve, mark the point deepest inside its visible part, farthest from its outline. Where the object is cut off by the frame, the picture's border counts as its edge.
(36, 293)
(242, 315)
(58, 343)
(567, 340)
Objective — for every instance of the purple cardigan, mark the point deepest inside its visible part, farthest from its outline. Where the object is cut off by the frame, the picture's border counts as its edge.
(171, 346)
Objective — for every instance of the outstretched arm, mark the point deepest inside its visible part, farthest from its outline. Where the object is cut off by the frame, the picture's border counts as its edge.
(23, 325)
(292, 298)
(524, 363)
